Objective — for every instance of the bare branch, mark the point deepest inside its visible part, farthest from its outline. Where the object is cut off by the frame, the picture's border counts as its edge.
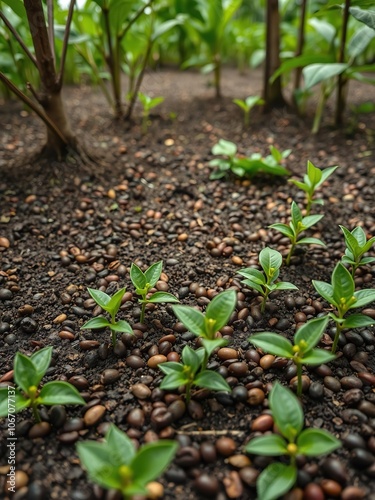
(65, 42)
(18, 38)
(136, 16)
(24, 98)
(51, 33)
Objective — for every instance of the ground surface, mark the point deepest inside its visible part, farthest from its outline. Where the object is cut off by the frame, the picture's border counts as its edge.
(68, 231)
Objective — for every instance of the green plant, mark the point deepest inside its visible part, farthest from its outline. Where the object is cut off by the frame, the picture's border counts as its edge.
(247, 105)
(296, 226)
(292, 440)
(116, 464)
(205, 326)
(28, 373)
(111, 305)
(148, 103)
(265, 282)
(342, 295)
(191, 372)
(312, 180)
(144, 281)
(356, 247)
(302, 352)
(246, 166)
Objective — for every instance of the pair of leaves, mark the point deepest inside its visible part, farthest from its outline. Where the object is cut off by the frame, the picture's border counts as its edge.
(340, 293)
(144, 281)
(306, 338)
(116, 464)
(297, 225)
(218, 313)
(357, 245)
(28, 373)
(248, 104)
(189, 372)
(148, 102)
(313, 179)
(109, 304)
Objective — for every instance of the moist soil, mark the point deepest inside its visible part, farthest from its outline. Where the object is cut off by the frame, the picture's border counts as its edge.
(147, 198)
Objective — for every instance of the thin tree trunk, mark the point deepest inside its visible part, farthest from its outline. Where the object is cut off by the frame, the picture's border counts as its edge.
(272, 92)
(49, 96)
(341, 81)
(300, 43)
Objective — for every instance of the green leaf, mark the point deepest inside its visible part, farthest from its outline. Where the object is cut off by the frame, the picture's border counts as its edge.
(311, 220)
(316, 73)
(192, 319)
(166, 26)
(276, 480)
(60, 393)
(316, 442)
(273, 445)
(25, 373)
(311, 332)
(18, 401)
(151, 460)
(360, 41)
(101, 298)
(221, 308)
(300, 62)
(272, 343)
(224, 148)
(284, 229)
(241, 104)
(255, 285)
(162, 298)
(325, 290)
(137, 277)
(325, 29)
(121, 326)
(342, 283)
(318, 357)
(17, 7)
(121, 446)
(97, 459)
(286, 411)
(174, 380)
(190, 358)
(326, 173)
(99, 322)
(295, 214)
(310, 241)
(285, 285)
(314, 174)
(364, 16)
(351, 241)
(114, 304)
(363, 297)
(366, 260)
(41, 360)
(358, 321)
(270, 260)
(253, 274)
(211, 380)
(153, 273)
(171, 367)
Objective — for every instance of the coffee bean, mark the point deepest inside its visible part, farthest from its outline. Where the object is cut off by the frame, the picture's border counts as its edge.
(80, 382)
(262, 423)
(353, 416)
(266, 361)
(316, 390)
(331, 488)
(135, 361)
(313, 492)
(352, 493)
(332, 383)
(353, 396)
(28, 325)
(208, 452)
(239, 394)
(68, 437)
(239, 369)
(5, 294)
(93, 415)
(154, 361)
(39, 430)
(227, 353)
(160, 418)
(207, 485)
(367, 408)
(141, 391)
(351, 382)
(239, 461)
(249, 476)
(136, 418)
(334, 469)
(255, 396)
(351, 441)
(57, 416)
(195, 410)
(225, 446)
(361, 458)
(367, 378)
(109, 376)
(187, 456)
(233, 485)
(177, 409)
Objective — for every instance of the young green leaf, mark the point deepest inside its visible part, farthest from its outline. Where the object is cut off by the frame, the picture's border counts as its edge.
(171, 367)
(325, 290)
(114, 304)
(99, 322)
(26, 374)
(97, 459)
(315, 442)
(286, 411)
(342, 283)
(270, 259)
(41, 360)
(190, 358)
(276, 480)
(192, 319)
(318, 357)
(153, 273)
(221, 308)
(224, 148)
(151, 460)
(60, 393)
(121, 446)
(363, 297)
(162, 298)
(311, 332)
(272, 343)
(211, 380)
(211, 344)
(174, 380)
(137, 277)
(101, 298)
(358, 321)
(273, 445)
(121, 326)
(20, 402)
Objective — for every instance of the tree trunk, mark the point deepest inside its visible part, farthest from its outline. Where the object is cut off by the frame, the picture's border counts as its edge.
(49, 96)
(272, 92)
(300, 43)
(341, 82)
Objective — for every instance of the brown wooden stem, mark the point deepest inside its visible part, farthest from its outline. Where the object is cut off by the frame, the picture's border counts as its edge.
(341, 81)
(65, 43)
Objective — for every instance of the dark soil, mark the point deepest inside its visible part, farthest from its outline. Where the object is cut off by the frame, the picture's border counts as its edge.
(69, 229)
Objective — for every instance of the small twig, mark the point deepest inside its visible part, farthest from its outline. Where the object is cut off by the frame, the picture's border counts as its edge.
(32, 90)
(65, 43)
(209, 433)
(136, 16)
(18, 38)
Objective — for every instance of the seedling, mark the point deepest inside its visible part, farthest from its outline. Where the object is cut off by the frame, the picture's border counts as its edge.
(111, 305)
(312, 180)
(296, 226)
(148, 104)
(144, 281)
(247, 105)
(357, 245)
(302, 352)
(191, 372)
(278, 478)
(205, 326)
(243, 166)
(28, 372)
(265, 282)
(340, 294)
(116, 464)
